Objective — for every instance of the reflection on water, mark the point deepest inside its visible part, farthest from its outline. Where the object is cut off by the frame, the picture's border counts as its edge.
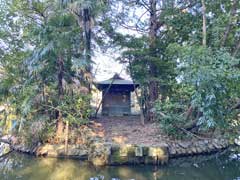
(19, 166)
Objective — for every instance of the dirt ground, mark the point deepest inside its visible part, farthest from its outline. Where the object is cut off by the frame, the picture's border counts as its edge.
(128, 129)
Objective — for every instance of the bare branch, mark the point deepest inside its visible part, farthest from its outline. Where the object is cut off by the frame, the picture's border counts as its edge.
(139, 19)
(134, 28)
(145, 5)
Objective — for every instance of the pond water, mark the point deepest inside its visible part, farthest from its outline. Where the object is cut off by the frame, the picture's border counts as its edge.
(214, 167)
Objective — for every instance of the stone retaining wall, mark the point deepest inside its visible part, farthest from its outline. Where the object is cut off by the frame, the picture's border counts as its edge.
(188, 148)
(132, 154)
(101, 153)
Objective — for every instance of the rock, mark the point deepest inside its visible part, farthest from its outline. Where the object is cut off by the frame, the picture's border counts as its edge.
(159, 152)
(196, 165)
(204, 148)
(184, 151)
(77, 152)
(189, 151)
(145, 150)
(127, 150)
(176, 145)
(199, 150)
(99, 154)
(58, 150)
(206, 141)
(184, 144)
(6, 137)
(234, 156)
(237, 141)
(139, 151)
(22, 148)
(4, 149)
(172, 151)
(216, 145)
(123, 154)
(210, 146)
(194, 150)
(178, 151)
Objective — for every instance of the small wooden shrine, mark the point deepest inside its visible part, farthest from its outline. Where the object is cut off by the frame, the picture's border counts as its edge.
(116, 96)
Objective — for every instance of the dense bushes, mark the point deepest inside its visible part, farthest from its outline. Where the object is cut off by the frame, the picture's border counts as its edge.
(212, 79)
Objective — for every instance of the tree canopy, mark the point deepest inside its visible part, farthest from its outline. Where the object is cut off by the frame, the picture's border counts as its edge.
(185, 54)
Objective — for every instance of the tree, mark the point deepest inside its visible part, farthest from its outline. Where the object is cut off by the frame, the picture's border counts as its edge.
(146, 49)
(49, 59)
(204, 28)
(156, 27)
(211, 73)
(184, 54)
(85, 12)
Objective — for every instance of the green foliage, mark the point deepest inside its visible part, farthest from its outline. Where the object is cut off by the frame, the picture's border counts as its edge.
(40, 33)
(171, 113)
(208, 81)
(36, 131)
(187, 74)
(43, 59)
(215, 79)
(171, 117)
(75, 109)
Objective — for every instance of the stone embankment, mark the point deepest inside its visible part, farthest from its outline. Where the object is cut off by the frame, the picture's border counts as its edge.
(188, 148)
(96, 150)
(5, 148)
(102, 153)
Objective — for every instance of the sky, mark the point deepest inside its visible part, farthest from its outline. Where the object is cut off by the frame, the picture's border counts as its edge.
(106, 64)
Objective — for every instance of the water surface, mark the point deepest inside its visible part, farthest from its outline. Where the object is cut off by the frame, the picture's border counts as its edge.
(25, 167)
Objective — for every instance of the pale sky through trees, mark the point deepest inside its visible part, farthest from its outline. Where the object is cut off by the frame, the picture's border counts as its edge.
(106, 66)
(106, 63)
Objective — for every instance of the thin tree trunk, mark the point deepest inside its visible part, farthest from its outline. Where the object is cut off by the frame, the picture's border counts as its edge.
(142, 119)
(60, 124)
(87, 33)
(20, 125)
(60, 76)
(236, 49)
(66, 138)
(147, 106)
(229, 26)
(204, 27)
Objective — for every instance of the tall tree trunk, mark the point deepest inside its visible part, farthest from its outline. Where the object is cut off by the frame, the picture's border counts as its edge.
(204, 27)
(153, 84)
(153, 23)
(60, 124)
(87, 34)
